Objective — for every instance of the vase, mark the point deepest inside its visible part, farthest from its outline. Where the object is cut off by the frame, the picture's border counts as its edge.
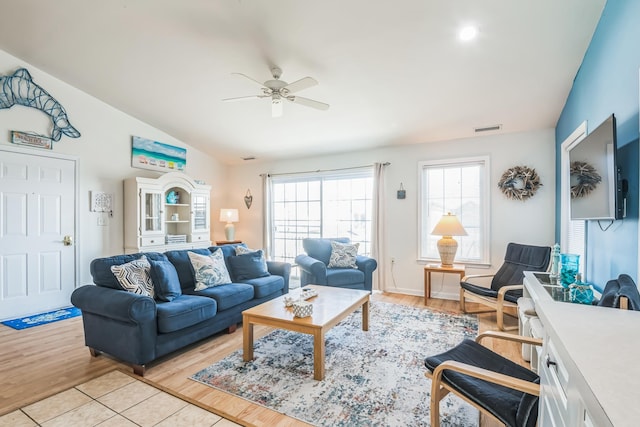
(581, 294)
(568, 269)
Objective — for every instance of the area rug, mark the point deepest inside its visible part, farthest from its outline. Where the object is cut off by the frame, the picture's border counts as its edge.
(43, 318)
(373, 378)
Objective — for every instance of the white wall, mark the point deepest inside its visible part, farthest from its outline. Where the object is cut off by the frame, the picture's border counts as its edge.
(104, 153)
(531, 221)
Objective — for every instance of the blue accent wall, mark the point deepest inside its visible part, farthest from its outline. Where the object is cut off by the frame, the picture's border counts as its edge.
(606, 83)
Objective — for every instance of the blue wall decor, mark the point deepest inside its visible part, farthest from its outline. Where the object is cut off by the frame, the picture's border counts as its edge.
(606, 83)
(20, 89)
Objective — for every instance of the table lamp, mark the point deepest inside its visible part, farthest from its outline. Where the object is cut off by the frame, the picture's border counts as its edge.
(447, 227)
(229, 216)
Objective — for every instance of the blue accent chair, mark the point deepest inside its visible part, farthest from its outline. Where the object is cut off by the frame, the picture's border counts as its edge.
(314, 271)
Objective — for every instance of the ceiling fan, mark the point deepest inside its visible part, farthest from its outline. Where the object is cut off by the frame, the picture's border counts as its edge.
(279, 90)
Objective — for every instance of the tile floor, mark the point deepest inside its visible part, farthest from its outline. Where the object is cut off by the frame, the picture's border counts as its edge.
(113, 400)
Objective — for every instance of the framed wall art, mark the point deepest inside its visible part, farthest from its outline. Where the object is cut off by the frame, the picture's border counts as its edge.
(154, 155)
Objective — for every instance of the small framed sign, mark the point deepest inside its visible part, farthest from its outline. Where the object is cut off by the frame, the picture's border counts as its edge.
(31, 139)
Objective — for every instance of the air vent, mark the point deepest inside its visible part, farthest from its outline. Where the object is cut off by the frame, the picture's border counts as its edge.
(488, 128)
(248, 158)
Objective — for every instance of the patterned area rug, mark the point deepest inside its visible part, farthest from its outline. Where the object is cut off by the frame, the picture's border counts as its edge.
(43, 318)
(373, 378)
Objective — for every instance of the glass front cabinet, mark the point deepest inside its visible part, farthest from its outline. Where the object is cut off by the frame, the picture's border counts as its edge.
(170, 212)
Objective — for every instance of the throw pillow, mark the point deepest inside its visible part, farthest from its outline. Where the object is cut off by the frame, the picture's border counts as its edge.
(164, 277)
(248, 266)
(343, 255)
(241, 250)
(209, 270)
(134, 276)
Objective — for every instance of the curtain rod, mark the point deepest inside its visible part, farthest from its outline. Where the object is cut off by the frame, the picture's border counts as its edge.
(321, 170)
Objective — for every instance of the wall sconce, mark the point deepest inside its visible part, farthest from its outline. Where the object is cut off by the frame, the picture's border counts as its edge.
(229, 216)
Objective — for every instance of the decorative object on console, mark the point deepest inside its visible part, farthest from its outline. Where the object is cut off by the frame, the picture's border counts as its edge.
(447, 227)
(302, 309)
(229, 216)
(555, 264)
(19, 89)
(519, 183)
(569, 264)
(248, 199)
(587, 176)
(581, 293)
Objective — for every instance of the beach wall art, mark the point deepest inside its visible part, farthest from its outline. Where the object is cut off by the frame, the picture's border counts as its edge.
(154, 155)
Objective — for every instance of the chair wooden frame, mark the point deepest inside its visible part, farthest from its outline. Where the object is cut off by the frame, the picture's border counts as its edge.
(439, 388)
(497, 304)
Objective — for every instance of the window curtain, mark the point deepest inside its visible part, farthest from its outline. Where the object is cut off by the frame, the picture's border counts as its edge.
(266, 215)
(378, 227)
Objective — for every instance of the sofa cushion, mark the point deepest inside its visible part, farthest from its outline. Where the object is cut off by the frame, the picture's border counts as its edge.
(165, 280)
(344, 276)
(320, 249)
(134, 276)
(209, 270)
(343, 255)
(242, 249)
(250, 265)
(100, 268)
(184, 311)
(182, 263)
(265, 286)
(228, 295)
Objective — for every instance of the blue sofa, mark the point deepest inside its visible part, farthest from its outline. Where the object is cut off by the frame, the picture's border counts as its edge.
(314, 270)
(138, 329)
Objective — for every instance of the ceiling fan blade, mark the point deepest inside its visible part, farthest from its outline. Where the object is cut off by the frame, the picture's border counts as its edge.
(308, 102)
(242, 98)
(250, 78)
(276, 108)
(298, 85)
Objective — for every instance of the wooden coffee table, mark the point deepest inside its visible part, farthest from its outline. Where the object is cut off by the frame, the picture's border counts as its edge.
(329, 307)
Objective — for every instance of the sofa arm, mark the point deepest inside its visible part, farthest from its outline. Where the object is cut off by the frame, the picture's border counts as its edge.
(314, 269)
(367, 266)
(280, 269)
(118, 305)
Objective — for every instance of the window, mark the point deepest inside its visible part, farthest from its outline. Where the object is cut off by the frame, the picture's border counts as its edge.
(330, 204)
(459, 186)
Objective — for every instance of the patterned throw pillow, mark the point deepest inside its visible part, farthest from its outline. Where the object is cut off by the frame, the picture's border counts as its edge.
(242, 250)
(134, 276)
(343, 255)
(209, 270)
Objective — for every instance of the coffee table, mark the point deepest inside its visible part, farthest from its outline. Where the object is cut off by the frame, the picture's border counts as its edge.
(329, 307)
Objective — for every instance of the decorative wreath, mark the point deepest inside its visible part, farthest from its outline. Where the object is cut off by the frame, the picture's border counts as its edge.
(588, 179)
(519, 182)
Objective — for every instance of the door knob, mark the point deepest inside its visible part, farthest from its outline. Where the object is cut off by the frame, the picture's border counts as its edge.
(68, 240)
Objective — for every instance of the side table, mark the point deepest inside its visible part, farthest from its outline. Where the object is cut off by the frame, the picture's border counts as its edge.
(455, 269)
(227, 242)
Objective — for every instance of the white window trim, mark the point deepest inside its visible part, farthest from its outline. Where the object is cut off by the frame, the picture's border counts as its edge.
(565, 190)
(485, 211)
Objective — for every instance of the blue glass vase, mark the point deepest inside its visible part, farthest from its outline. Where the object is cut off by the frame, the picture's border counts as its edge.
(568, 269)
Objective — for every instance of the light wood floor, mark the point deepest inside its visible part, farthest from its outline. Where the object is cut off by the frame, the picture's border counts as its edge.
(38, 362)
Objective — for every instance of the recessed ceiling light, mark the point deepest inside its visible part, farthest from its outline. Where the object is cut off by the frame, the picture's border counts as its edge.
(468, 33)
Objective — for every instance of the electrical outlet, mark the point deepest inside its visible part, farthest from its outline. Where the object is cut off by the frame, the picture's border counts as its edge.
(102, 221)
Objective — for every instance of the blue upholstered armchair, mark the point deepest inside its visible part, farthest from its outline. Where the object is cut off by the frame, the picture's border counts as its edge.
(314, 266)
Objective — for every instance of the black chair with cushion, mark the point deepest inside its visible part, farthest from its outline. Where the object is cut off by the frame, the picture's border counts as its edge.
(621, 293)
(500, 388)
(506, 285)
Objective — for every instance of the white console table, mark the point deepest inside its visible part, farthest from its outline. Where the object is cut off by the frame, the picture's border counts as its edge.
(589, 364)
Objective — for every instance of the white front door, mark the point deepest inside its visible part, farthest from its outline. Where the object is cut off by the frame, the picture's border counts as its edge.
(37, 232)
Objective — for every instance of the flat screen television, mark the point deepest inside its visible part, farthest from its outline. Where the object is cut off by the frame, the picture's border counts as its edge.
(596, 185)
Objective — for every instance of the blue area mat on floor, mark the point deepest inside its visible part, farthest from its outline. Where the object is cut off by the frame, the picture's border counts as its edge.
(43, 318)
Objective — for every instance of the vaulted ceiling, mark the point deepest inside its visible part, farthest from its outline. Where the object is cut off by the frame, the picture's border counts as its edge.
(393, 72)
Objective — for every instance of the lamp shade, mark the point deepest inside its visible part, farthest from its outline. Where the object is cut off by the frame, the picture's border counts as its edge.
(449, 226)
(229, 215)
(447, 246)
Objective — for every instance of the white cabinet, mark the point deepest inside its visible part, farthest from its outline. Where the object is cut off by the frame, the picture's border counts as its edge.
(169, 212)
(589, 370)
